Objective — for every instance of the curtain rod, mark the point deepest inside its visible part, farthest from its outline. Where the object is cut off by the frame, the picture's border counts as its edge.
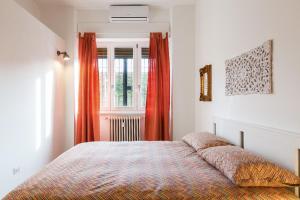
(141, 33)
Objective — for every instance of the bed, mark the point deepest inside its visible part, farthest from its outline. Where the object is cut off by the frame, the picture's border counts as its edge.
(136, 170)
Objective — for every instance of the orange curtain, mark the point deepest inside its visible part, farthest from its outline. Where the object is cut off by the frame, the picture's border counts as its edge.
(88, 117)
(157, 123)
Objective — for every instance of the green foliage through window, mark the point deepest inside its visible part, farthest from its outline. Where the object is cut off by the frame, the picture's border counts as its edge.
(119, 77)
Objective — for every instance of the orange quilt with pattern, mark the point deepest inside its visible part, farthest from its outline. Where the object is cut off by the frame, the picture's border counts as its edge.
(134, 171)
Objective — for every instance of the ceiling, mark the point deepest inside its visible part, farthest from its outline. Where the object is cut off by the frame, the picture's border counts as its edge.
(104, 4)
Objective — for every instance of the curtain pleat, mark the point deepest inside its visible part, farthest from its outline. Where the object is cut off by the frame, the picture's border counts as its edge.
(87, 127)
(157, 122)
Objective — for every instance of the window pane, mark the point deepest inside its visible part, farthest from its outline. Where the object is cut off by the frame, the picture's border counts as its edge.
(144, 76)
(104, 77)
(123, 77)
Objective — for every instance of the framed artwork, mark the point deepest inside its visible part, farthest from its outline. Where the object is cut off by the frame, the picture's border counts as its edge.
(206, 83)
(251, 72)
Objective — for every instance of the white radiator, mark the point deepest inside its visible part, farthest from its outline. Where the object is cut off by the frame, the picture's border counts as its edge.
(125, 128)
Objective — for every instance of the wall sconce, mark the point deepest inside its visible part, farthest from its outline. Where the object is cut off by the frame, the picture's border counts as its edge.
(66, 57)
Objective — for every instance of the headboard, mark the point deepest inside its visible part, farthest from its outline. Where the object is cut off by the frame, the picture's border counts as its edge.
(279, 146)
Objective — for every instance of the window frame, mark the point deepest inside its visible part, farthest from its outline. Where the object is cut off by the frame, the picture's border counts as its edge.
(139, 60)
(105, 45)
(137, 46)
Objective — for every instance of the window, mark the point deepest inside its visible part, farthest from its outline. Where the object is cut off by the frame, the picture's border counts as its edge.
(144, 76)
(123, 77)
(104, 76)
(123, 71)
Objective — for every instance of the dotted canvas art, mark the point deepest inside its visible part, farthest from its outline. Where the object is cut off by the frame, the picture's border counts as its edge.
(251, 72)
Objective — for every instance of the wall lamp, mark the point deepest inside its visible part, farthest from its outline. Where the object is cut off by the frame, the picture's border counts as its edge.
(66, 57)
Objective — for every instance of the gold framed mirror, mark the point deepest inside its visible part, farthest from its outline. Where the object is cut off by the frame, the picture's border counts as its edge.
(205, 83)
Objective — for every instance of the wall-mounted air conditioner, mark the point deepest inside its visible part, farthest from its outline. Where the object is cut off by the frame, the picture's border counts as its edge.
(129, 13)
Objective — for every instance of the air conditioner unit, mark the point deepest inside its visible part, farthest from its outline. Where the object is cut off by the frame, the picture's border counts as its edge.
(129, 13)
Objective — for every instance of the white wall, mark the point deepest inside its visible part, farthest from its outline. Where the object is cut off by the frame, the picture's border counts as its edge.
(30, 6)
(32, 96)
(64, 23)
(96, 16)
(183, 64)
(98, 21)
(225, 29)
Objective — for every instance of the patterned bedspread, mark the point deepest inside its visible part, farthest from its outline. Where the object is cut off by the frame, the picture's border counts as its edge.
(136, 170)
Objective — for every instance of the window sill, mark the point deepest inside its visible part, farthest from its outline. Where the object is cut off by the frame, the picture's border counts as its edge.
(104, 113)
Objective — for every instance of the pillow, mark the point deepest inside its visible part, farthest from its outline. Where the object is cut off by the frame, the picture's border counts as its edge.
(204, 140)
(246, 169)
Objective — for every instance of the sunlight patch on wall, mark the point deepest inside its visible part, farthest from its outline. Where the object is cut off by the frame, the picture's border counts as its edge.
(38, 113)
(49, 87)
(76, 84)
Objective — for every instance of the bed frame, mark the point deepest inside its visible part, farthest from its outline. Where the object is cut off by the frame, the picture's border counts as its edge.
(280, 146)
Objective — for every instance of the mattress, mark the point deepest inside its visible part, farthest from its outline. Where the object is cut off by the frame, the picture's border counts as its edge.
(136, 170)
